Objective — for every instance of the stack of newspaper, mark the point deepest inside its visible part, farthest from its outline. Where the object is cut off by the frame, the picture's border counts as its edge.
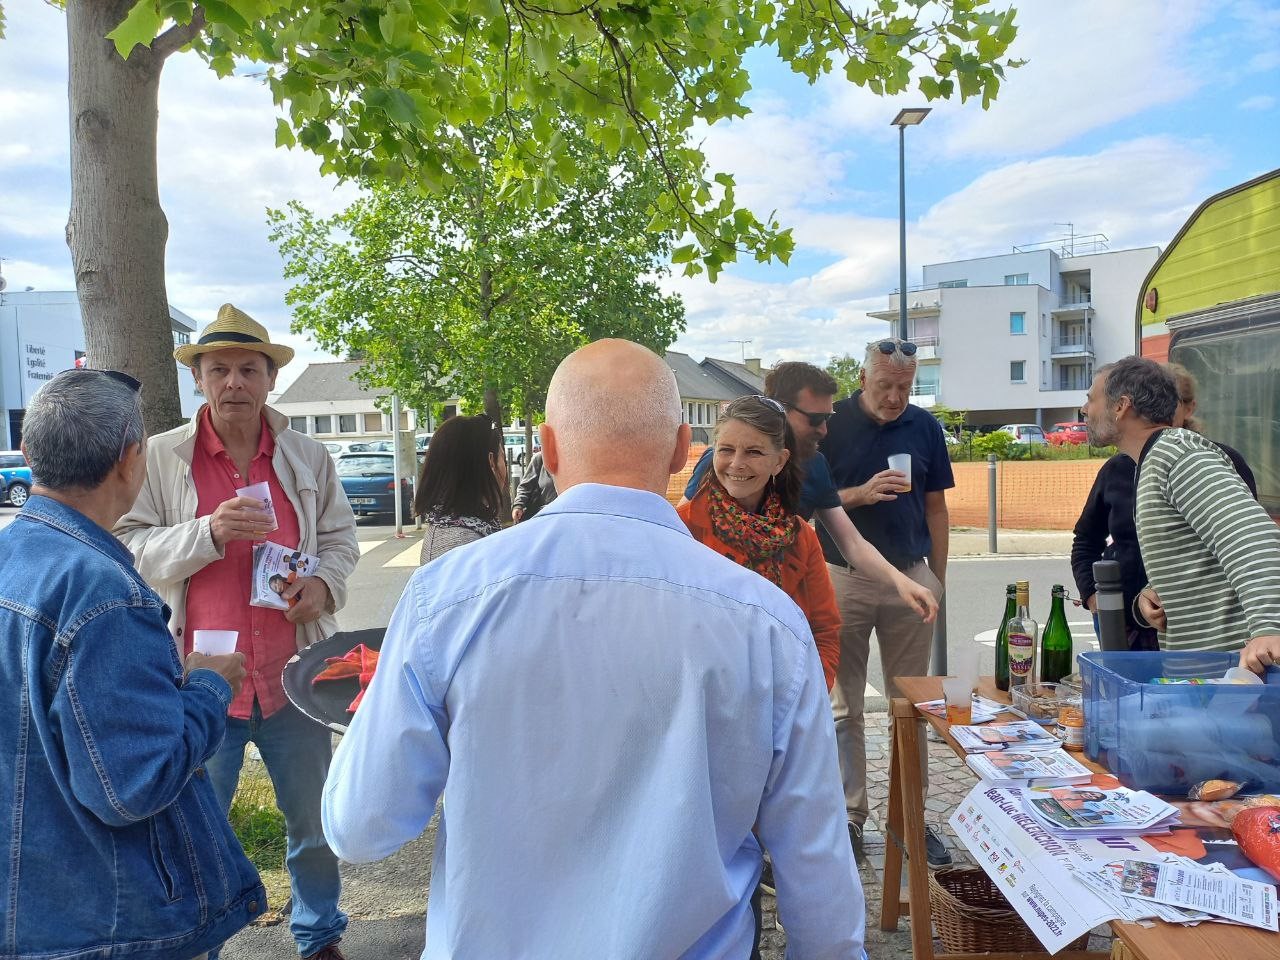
(1180, 890)
(1090, 811)
(1048, 768)
(1020, 735)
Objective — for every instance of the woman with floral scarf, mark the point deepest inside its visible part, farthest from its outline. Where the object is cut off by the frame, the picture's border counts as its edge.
(746, 511)
(459, 492)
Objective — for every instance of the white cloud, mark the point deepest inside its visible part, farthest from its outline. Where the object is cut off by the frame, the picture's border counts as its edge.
(1090, 64)
(1138, 193)
(1258, 104)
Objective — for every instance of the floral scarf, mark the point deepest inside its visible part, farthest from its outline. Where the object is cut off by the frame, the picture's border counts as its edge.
(481, 528)
(763, 537)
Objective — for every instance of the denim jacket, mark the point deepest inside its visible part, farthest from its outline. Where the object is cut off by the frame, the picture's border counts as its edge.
(112, 843)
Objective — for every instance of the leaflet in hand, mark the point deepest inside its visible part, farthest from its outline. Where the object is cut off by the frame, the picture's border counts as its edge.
(1217, 892)
(1020, 734)
(984, 710)
(1092, 811)
(1014, 768)
(274, 569)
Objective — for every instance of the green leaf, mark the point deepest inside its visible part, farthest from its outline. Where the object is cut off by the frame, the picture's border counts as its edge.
(684, 254)
(139, 27)
(284, 134)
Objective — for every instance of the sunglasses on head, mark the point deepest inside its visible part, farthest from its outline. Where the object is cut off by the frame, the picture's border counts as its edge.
(815, 419)
(905, 347)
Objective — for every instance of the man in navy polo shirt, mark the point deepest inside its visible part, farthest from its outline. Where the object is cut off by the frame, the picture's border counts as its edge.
(905, 518)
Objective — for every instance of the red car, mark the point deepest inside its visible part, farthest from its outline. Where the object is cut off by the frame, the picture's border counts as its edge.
(1064, 433)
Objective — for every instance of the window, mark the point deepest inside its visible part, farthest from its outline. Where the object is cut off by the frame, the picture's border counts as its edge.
(1016, 279)
(347, 423)
(373, 423)
(1017, 323)
(181, 337)
(324, 423)
(298, 423)
(1017, 371)
(953, 283)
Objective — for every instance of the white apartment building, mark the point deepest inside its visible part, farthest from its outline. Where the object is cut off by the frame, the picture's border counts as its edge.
(42, 334)
(1016, 338)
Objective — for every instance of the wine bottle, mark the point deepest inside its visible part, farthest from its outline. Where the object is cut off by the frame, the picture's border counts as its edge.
(1002, 637)
(1021, 635)
(1055, 643)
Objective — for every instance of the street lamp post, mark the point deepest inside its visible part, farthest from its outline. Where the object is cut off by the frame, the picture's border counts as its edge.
(909, 117)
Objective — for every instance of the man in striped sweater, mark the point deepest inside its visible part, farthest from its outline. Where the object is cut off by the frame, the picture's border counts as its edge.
(1211, 552)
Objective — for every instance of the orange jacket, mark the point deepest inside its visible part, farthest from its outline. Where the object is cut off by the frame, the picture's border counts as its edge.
(804, 579)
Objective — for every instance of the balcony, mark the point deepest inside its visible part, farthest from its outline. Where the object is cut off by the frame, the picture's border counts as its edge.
(927, 348)
(925, 302)
(926, 395)
(1075, 346)
(1076, 310)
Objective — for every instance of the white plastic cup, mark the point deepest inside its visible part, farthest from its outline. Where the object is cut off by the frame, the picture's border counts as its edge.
(967, 663)
(902, 463)
(214, 643)
(262, 493)
(958, 694)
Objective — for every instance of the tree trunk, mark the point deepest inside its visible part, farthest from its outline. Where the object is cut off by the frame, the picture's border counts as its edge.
(117, 230)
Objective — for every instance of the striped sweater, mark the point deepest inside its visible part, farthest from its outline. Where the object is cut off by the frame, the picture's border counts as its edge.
(1211, 551)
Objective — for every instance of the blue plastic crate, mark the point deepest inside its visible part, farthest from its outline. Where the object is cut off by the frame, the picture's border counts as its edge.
(1167, 737)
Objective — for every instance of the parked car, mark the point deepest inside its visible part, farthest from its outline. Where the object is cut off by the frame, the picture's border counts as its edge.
(1073, 432)
(16, 477)
(515, 446)
(423, 441)
(368, 479)
(379, 446)
(1028, 434)
(337, 448)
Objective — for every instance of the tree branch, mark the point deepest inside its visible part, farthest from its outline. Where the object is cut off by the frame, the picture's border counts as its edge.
(179, 35)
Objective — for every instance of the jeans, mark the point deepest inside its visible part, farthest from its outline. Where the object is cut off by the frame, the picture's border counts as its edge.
(296, 752)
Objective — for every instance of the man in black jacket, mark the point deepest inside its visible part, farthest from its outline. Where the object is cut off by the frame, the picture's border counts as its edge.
(536, 490)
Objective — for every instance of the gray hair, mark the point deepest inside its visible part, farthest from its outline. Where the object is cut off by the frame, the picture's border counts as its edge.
(1150, 388)
(897, 359)
(77, 426)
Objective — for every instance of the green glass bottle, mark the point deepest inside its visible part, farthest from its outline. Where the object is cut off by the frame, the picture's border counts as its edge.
(1055, 642)
(1002, 637)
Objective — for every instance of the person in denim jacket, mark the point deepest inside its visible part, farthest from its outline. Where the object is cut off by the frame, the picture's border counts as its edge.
(114, 844)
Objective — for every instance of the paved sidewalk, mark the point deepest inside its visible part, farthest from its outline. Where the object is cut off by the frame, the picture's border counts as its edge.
(972, 541)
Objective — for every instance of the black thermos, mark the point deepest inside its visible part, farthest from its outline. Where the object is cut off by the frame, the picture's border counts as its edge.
(1112, 634)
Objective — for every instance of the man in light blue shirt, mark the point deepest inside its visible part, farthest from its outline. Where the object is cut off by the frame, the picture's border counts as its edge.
(609, 708)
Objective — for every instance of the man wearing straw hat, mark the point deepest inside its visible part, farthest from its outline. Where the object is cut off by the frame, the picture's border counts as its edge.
(192, 534)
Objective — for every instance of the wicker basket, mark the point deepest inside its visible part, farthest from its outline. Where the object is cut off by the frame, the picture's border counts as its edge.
(973, 916)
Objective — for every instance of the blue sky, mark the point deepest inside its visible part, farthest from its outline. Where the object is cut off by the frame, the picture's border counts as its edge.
(1127, 115)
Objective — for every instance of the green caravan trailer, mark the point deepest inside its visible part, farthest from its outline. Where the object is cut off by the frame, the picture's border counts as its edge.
(1212, 303)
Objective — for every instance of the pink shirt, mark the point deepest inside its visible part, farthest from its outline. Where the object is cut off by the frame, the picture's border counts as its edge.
(218, 596)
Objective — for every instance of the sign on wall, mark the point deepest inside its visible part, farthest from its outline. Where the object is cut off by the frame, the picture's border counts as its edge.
(40, 362)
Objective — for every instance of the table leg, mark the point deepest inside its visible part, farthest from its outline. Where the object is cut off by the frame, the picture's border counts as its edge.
(891, 891)
(906, 737)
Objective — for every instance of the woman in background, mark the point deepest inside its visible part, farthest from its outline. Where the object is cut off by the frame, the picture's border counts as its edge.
(459, 493)
(745, 510)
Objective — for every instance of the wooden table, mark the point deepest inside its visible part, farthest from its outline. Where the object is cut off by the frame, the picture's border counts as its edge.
(1161, 941)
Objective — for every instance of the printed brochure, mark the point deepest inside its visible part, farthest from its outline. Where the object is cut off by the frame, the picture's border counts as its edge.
(1020, 734)
(274, 568)
(1011, 768)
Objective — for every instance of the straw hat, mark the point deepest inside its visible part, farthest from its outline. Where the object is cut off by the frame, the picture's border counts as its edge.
(233, 328)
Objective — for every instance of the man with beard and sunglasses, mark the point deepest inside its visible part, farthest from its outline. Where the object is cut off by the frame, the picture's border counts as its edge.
(905, 518)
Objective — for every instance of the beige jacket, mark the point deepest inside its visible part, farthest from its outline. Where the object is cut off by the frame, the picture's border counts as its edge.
(170, 543)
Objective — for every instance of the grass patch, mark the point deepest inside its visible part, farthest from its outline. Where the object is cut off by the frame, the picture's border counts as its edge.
(260, 827)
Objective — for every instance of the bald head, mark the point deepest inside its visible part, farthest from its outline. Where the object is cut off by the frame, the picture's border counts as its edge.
(614, 416)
